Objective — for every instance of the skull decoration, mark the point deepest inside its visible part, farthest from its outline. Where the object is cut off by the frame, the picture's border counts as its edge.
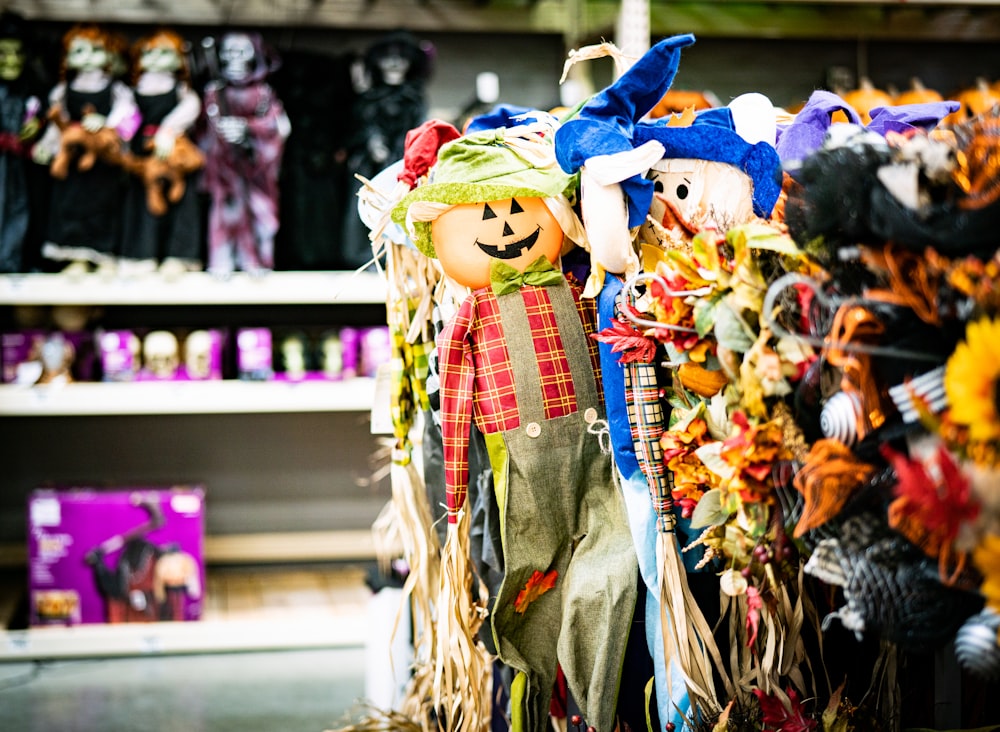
(160, 354)
(237, 56)
(198, 354)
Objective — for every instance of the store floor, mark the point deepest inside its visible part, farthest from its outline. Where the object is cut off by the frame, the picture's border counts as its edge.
(277, 691)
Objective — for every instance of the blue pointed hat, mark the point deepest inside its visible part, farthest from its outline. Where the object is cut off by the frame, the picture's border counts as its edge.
(713, 136)
(606, 123)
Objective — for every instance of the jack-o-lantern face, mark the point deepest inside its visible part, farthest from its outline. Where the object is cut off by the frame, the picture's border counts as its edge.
(469, 236)
(693, 195)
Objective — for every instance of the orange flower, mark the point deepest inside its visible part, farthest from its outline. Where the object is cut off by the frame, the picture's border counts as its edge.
(752, 452)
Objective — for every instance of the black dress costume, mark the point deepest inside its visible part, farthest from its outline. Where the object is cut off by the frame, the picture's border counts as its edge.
(177, 233)
(84, 218)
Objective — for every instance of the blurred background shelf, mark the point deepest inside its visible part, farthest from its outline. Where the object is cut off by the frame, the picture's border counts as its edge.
(196, 288)
(186, 397)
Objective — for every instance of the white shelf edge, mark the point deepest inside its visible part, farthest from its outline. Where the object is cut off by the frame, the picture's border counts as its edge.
(230, 396)
(196, 288)
(272, 547)
(317, 630)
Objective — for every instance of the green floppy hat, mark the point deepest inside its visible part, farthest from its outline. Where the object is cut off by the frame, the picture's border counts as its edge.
(485, 166)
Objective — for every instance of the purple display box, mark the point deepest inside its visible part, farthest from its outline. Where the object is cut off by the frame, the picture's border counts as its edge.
(123, 555)
(253, 354)
(18, 350)
(20, 353)
(120, 355)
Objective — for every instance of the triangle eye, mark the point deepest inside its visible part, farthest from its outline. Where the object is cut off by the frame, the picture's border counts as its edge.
(488, 212)
(515, 207)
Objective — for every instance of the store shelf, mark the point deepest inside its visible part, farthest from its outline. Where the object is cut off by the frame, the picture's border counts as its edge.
(246, 610)
(195, 288)
(185, 397)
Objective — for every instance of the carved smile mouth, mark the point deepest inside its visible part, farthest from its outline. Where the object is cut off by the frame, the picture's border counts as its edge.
(514, 249)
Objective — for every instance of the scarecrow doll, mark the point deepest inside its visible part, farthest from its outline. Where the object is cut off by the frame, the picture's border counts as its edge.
(161, 225)
(91, 115)
(516, 361)
(648, 187)
(244, 143)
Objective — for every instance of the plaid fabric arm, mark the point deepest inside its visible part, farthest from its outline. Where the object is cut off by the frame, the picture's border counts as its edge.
(456, 377)
(647, 422)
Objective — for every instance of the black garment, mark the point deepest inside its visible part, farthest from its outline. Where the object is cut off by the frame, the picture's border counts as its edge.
(14, 202)
(315, 89)
(84, 215)
(178, 232)
(382, 117)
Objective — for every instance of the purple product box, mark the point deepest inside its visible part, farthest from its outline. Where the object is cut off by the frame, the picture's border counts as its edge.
(254, 360)
(124, 555)
(23, 356)
(120, 355)
(20, 354)
(376, 349)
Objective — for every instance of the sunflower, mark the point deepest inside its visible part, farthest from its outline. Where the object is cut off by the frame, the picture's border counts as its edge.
(970, 380)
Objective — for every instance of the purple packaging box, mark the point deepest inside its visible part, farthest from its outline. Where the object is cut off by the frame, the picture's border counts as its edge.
(120, 355)
(20, 352)
(253, 354)
(376, 349)
(122, 555)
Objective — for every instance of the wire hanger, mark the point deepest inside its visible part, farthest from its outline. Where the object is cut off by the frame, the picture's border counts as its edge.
(794, 278)
(643, 277)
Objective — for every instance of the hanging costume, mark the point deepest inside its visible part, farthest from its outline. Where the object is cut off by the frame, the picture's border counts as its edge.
(241, 176)
(15, 110)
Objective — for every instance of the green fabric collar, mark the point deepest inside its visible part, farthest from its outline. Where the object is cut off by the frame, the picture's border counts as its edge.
(505, 279)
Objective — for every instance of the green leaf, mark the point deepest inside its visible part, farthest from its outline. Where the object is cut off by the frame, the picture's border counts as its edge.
(704, 317)
(761, 236)
(708, 511)
(730, 331)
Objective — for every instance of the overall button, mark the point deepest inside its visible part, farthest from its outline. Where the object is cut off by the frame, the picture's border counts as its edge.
(533, 429)
(590, 415)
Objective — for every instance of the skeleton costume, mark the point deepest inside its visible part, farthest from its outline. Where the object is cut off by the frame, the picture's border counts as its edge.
(244, 142)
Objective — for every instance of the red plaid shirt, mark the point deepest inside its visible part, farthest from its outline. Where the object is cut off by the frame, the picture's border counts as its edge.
(477, 381)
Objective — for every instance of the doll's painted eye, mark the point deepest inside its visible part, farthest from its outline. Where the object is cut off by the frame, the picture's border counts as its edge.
(682, 191)
(515, 207)
(658, 186)
(488, 212)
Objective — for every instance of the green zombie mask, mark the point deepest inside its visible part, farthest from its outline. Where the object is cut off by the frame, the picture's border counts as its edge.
(11, 58)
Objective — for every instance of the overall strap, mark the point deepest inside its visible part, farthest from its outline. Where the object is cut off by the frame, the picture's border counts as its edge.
(521, 348)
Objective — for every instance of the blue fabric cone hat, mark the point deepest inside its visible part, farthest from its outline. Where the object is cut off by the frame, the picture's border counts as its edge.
(606, 123)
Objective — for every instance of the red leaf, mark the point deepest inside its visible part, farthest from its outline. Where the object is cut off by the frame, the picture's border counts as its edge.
(626, 339)
(778, 718)
(534, 588)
